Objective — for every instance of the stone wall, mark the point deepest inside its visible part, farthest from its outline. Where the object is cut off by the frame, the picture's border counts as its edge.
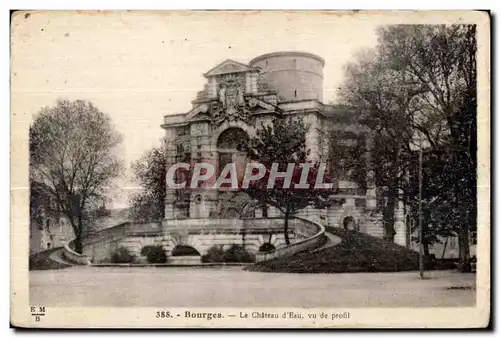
(133, 236)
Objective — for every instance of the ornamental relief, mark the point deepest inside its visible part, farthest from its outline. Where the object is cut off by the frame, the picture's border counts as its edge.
(231, 104)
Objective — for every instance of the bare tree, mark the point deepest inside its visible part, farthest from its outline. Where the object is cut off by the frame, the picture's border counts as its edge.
(73, 157)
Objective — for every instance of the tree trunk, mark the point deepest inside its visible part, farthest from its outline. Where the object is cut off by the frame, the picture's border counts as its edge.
(78, 235)
(287, 239)
(78, 244)
(426, 248)
(463, 250)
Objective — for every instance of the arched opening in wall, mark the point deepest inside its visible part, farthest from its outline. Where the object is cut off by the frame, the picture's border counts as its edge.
(185, 250)
(349, 223)
(267, 247)
(231, 147)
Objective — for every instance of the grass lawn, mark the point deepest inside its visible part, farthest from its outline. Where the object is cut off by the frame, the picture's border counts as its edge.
(42, 261)
(357, 252)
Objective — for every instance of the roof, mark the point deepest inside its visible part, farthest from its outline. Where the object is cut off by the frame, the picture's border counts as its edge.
(228, 66)
(287, 53)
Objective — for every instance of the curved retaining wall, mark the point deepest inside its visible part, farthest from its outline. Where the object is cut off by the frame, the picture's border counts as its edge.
(314, 233)
(306, 233)
(202, 234)
(74, 256)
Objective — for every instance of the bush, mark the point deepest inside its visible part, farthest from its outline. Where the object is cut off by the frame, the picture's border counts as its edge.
(214, 255)
(235, 254)
(267, 247)
(122, 255)
(238, 254)
(154, 254)
(185, 250)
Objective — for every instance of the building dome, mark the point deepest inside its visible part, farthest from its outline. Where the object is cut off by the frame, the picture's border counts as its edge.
(294, 75)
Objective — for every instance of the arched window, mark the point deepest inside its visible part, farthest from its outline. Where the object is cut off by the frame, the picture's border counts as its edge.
(349, 223)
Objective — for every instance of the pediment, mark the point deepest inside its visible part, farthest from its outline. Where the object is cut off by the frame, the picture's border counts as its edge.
(226, 67)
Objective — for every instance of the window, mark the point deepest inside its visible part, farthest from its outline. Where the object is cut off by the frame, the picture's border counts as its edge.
(264, 211)
(295, 93)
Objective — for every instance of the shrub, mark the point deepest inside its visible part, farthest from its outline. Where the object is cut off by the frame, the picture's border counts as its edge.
(267, 247)
(214, 255)
(122, 255)
(238, 254)
(154, 254)
(185, 250)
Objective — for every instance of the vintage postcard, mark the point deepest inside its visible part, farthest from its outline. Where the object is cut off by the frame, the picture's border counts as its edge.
(250, 169)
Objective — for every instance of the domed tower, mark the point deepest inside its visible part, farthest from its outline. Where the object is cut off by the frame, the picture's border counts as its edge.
(294, 75)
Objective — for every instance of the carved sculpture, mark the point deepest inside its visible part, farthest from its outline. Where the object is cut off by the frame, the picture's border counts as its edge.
(231, 104)
(234, 205)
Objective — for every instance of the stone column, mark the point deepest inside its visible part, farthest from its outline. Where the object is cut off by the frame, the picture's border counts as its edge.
(312, 136)
(171, 153)
(399, 224)
(212, 88)
(203, 152)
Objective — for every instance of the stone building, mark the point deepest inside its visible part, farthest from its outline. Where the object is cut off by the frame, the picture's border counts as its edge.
(235, 100)
(49, 228)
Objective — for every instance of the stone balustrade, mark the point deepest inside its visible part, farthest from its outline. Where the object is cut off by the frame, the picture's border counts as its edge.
(215, 225)
(305, 227)
(74, 256)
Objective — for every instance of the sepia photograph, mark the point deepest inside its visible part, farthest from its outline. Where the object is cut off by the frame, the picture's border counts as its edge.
(250, 169)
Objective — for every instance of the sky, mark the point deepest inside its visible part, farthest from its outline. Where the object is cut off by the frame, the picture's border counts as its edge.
(139, 66)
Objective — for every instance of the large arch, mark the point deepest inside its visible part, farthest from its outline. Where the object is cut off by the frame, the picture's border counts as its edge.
(230, 147)
(185, 250)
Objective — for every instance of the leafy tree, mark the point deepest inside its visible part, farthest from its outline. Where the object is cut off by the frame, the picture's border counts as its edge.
(73, 158)
(385, 102)
(421, 80)
(150, 171)
(435, 206)
(282, 142)
(442, 59)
